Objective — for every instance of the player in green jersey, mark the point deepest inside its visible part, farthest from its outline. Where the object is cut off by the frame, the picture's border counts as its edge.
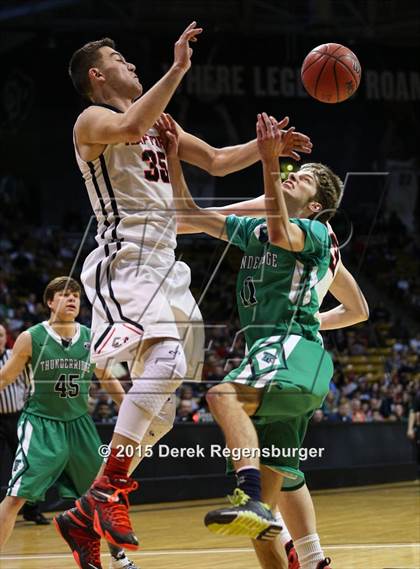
(58, 441)
(286, 373)
(351, 310)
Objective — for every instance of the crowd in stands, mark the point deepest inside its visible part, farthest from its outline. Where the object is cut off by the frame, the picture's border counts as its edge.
(377, 372)
(391, 260)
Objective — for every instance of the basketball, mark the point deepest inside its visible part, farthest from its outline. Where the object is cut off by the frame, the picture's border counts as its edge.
(331, 73)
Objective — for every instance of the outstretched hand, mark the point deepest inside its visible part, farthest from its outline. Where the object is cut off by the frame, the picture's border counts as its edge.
(297, 143)
(182, 50)
(168, 133)
(271, 139)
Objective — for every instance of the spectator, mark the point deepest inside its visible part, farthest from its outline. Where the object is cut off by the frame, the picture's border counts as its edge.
(415, 343)
(357, 413)
(399, 413)
(350, 385)
(343, 414)
(185, 411)
(103, 397)
(91, 405)
(203, 414)
(377, 417)
(318, 417)
(186, 393)
(104, 414)
(330, 403)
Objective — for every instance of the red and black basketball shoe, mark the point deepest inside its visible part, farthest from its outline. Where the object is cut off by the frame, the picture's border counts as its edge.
(292, 556)
(106, 502)
(83, 541)
(324, 564)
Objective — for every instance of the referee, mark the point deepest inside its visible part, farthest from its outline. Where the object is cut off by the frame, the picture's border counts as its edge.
(413, 428)
(12, 400)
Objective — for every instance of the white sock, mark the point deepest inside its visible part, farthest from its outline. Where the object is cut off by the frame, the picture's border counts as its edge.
(284, 535)
(309, 551)
(117, 553)
(246, 468)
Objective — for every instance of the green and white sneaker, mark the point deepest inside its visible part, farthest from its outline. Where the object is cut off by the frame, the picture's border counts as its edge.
(245, 517)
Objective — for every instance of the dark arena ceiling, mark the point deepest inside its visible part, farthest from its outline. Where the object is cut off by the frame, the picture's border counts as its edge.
(386, 22)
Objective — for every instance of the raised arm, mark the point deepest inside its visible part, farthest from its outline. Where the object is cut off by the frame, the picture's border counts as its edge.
(22, 352)
(201, 155)
(281, 231)
(188, 212)
(222, 161)
(353, 308)
(254, 207)
(251, 208)
(98, 125)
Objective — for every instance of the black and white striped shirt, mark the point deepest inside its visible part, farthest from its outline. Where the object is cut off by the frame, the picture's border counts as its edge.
(13, 397)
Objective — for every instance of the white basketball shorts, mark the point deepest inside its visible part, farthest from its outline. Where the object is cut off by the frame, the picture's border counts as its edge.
(139, 293)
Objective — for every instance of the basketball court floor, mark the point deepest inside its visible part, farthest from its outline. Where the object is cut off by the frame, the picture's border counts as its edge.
(375, 527)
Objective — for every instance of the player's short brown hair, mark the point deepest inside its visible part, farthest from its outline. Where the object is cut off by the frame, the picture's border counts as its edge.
(82, 60)
(57, 285)
(329, 190)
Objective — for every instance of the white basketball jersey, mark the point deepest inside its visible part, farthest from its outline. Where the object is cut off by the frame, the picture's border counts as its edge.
(130, 192)
(324, 284)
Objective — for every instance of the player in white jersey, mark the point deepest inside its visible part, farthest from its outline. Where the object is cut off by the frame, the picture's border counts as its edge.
(143, 310)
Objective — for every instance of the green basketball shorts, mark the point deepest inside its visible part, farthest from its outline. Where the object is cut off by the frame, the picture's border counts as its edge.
(295, 374)
(51, 452)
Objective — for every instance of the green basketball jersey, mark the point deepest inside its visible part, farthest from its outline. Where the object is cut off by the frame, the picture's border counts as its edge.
(60, 376)
(275, 289)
